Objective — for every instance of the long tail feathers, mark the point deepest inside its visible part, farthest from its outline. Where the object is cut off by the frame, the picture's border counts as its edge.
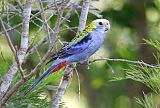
(55, 67)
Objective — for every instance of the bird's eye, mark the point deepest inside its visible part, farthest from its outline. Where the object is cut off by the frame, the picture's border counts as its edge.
(100, 23)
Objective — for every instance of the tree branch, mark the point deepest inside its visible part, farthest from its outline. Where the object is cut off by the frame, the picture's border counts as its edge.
(62, 87)
(84, 14)
(67, 76)
(23, 48)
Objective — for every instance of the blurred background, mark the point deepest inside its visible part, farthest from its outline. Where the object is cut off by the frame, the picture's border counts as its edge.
(131, 22)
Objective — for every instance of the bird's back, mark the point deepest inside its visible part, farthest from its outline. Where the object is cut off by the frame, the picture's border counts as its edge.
(97, 40)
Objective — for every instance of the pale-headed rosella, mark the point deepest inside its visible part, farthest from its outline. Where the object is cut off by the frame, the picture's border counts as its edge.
(81, 47)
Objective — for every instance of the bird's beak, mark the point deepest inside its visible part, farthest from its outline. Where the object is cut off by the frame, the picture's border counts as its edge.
(107, 27)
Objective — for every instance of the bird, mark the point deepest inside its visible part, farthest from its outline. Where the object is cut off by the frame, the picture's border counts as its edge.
(85, 44)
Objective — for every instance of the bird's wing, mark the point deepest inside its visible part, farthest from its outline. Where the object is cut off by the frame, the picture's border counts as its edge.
(73, 48)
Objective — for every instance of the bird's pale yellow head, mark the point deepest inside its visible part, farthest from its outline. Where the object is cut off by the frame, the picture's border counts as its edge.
(102, 24)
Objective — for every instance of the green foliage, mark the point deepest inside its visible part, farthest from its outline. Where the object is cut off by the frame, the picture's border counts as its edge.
(155, 44)
(37, 98)
(148, 76)
(147, 102)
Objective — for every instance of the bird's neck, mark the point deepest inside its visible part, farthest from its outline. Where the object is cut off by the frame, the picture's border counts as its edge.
(89, 28)
(99, 36)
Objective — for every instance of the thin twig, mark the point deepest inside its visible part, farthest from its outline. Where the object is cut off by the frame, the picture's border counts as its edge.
(19, 64)
(127, 61)
(13, 29)
(44, 19)
(84, 14)
(60, 11)
(8, 38)
(36, 33)
(12, 48)
(79, 83)
(38, 54)
(74, 6)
